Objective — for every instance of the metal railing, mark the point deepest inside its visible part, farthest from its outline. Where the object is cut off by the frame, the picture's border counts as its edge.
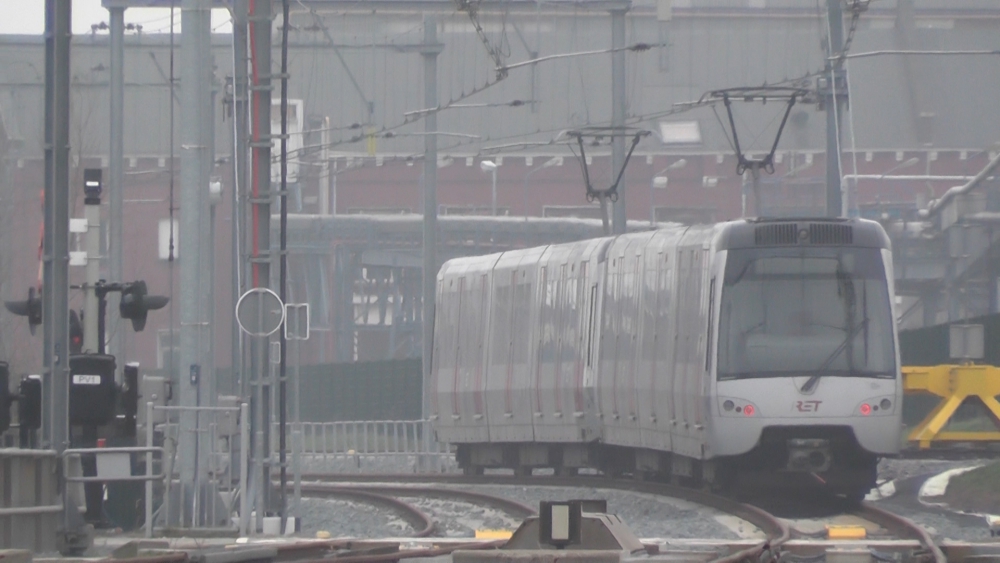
(366, 437)
(29, 499)
(172, 428)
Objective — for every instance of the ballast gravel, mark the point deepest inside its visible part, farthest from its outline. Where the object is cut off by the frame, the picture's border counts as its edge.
(350, 519)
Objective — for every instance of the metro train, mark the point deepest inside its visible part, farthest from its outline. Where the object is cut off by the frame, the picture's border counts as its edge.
(753, 353)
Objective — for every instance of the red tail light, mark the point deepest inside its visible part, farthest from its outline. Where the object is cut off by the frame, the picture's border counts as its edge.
(748, 410)
(866, 409)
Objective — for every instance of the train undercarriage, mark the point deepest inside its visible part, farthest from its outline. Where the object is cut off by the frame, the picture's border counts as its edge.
(781, 463)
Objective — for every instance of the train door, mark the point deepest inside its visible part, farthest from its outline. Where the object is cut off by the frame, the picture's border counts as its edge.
(688, 341)
(544, 383)
(653, 402)
(609, 363)
(628, 344)
(499, 400)
(444, 366)
(472, 336)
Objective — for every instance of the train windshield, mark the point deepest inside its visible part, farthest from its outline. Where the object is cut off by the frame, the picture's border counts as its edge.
(805, 312)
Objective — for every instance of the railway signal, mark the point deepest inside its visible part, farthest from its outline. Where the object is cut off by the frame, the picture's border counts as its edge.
(136, 303)
(31, 308)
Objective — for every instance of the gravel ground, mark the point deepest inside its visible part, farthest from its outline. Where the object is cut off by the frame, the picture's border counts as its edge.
(344, 518)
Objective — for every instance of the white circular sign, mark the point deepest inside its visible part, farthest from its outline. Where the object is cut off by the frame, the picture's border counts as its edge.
(260, 312)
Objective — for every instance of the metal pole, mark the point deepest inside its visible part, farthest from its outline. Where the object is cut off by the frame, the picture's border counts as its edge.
(283, 269)
(115, 171)
(196, 71)
(91, 315)
(244, 469)
(240, 150)
(430, 51)
(836, 98)
(56, 250)
(259, 18)
(494, 200)
(297, 429)
(48, 196)
(618, 113)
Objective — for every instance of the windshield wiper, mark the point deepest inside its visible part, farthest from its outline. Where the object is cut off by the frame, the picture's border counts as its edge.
(833, 356)
(846, 289)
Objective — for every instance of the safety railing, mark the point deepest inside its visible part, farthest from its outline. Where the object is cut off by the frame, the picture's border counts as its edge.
(29, 499)
(117, 467)
(172, 429)
(326, 440)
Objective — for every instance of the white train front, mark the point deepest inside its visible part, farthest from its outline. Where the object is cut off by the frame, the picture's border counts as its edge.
(749, 353)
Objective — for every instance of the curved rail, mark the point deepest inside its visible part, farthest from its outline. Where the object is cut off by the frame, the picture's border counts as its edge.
(903, 527)
(409, 554)
(413, 515)
(512, 507)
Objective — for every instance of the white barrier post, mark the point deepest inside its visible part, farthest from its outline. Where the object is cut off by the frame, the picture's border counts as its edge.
(244, 461)
(149, 470)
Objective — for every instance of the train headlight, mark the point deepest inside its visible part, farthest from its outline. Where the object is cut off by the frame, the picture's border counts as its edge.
(876, 406)
(736, 407)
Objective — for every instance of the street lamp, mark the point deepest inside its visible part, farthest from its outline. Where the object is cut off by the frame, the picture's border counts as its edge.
(660, 182)
(904, 164)
(491, 167)
(548, 163)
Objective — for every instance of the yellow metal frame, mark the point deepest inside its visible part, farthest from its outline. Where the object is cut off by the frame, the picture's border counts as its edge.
(954, 383)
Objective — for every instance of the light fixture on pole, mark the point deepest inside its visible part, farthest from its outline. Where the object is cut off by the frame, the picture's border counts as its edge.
(905, 164)
(658, 181)
(491, 167)
(548, 163)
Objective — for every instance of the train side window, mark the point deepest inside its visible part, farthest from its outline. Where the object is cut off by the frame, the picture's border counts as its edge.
(711, 315)
(590, 327)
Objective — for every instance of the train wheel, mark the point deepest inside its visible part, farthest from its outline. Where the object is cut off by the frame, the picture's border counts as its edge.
(473, 470)
(567, 471)
(522, 471)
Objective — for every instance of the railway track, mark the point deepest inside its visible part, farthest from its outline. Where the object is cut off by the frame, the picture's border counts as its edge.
(776, 529)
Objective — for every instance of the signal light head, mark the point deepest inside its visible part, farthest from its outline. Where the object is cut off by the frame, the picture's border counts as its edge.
(136, 304)
(31, 308)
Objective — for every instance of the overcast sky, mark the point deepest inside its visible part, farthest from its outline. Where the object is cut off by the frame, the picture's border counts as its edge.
(28, 17)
